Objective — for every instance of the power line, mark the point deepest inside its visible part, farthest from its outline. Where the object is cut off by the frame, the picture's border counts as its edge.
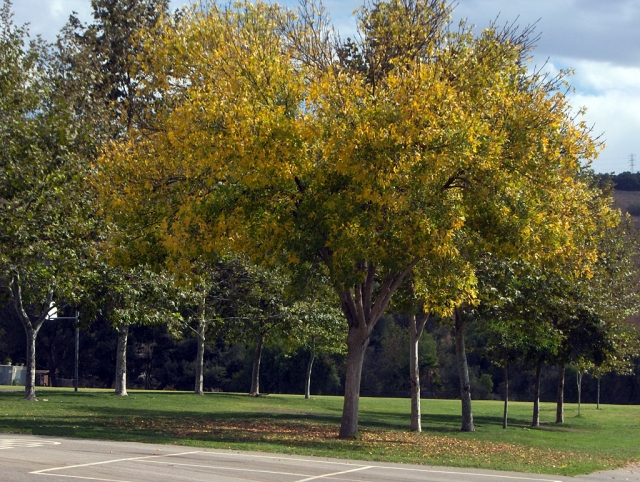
(632, 162)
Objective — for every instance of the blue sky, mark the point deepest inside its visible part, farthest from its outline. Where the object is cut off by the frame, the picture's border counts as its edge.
(599, 39)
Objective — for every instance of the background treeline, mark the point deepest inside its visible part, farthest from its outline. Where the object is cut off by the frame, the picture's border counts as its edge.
(625, 181)
(157, 360)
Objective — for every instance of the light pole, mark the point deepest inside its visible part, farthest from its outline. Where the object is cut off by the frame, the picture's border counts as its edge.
(54, 317)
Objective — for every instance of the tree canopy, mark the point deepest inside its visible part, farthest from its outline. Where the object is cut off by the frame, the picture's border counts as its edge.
(412, 146)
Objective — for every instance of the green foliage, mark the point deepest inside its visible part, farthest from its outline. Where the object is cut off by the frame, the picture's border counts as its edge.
(532, 313)
(44, 199)
(46, 209)
(481, 386)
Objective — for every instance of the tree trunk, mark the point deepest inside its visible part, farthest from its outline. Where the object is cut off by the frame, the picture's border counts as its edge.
(356, 348)
(31, 330)
(560, 398)
(30, 381)
(199, 389)
(414, 376)
(307, 385)
(255, 372)
(463, 372)
(505, 415)
(598, 396)
(536, 397)
(579, 381)
(416, 327)
(121, 360)
(362, 312)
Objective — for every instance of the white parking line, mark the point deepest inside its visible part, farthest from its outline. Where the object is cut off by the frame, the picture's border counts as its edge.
(43, 471)
(154, 459)
(334, 474)
(227, 468)
(284, 457)
(84, 478)
(351, 463)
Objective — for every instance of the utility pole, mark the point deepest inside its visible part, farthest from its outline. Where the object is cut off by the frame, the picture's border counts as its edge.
(632, 163)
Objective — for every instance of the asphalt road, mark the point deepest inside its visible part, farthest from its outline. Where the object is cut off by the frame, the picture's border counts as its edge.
(28, 458)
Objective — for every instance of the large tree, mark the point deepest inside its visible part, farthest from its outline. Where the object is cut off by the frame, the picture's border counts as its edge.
(104, 66)
(44, 199)
(370, 158)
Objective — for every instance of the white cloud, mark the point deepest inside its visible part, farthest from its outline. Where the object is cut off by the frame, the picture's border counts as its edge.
(611, 95)
(57, 9)
(47, 17)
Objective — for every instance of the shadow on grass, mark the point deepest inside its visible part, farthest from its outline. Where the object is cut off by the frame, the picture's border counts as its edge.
(260, 409)
(101, 415)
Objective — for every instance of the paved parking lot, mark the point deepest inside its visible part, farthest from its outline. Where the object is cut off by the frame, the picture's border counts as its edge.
(35, 458)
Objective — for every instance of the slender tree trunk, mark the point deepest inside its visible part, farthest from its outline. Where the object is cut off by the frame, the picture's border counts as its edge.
(312, 357)
(505, 415)
(536, 397)
(579, 381)
(416, 327)
(463, 372)
(255, 372)
(414, 377)
(31, 330)
(307, 385)
(199, 389)
(598, 399)
(560, 398)
(356, 349)
(30, 381)
(121, 360)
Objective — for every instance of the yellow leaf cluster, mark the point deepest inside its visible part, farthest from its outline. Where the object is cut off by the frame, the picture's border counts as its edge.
(443, 150)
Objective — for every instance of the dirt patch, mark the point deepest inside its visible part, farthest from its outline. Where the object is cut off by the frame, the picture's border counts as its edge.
(623, 199)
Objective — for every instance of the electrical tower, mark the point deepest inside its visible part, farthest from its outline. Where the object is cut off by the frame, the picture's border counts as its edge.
(632, 162)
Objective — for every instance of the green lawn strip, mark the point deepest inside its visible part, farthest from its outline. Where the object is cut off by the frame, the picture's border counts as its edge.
(599, 439)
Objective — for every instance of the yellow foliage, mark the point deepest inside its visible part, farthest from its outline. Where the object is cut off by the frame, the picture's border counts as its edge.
(274, 146)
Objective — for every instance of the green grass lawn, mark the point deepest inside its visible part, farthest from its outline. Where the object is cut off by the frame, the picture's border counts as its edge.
(599, 439)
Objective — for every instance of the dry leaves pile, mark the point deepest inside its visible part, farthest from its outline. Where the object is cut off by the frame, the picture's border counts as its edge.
(373, 444)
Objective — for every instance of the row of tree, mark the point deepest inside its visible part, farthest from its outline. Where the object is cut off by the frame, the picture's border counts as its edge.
(243, 169)
(157, 360)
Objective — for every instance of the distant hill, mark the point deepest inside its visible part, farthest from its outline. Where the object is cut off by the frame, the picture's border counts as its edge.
(625, 181)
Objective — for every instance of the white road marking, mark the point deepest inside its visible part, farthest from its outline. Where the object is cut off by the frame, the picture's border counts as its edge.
(272, 457)
(84, 478)
(111, 462)
(226, 468)
(15, 443)
(151, 459)
(285, 457)
(335, 473)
